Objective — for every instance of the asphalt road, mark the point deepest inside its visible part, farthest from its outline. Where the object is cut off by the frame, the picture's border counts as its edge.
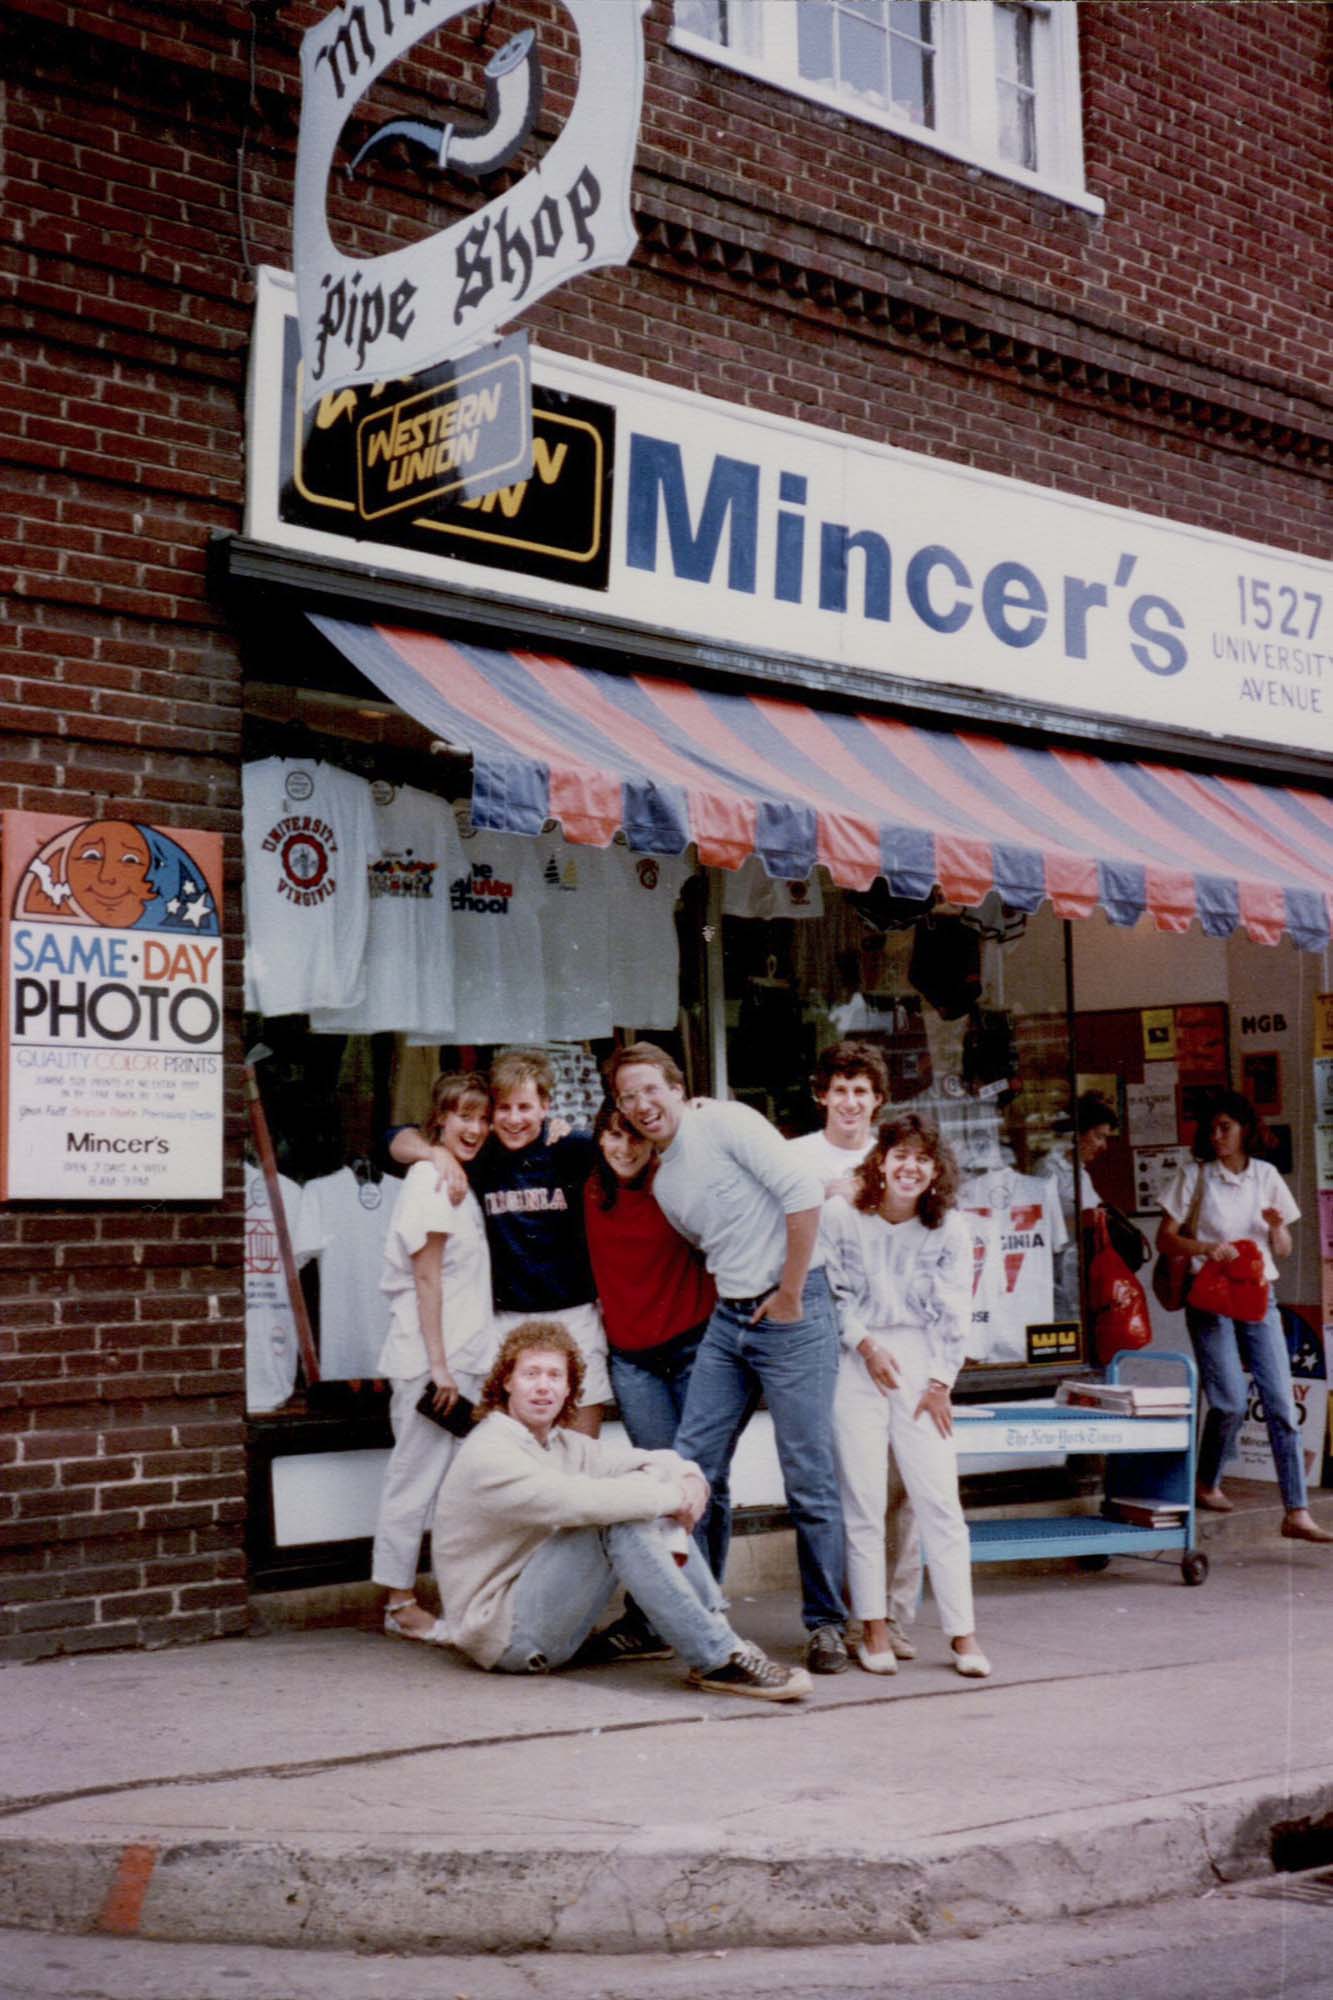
(1229, 1945)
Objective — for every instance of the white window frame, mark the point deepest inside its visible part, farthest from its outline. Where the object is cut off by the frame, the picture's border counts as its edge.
(966, 98)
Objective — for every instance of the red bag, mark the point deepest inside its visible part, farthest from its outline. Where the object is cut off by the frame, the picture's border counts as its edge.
(1237, 1290)
(1116, 1299)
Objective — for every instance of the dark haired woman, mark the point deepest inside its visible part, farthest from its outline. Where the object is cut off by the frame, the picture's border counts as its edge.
(1228, 1198)
(656, 1298)
(655, 1294)
(899, 1261)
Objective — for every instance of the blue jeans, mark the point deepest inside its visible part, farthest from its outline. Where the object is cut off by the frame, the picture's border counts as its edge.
(564, 1589)
(1220, 1347)
(650, 1385)
(796, 1368)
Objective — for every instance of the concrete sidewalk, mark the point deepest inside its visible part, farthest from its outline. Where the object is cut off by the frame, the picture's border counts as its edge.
(337, 1788)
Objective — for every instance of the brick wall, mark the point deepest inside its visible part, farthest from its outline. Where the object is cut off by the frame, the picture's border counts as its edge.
(1170, 355)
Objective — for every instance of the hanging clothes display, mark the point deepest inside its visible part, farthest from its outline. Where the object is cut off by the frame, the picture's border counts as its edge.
(642, 893)
(1017, 1233)
(344, 1220)
(308, 831)
(576, 940)
(271, 1350)
(495, 907)
(750, 891)
(415, 854)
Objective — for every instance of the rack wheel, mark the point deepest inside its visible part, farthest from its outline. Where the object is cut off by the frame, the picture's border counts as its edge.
(1194, 1566)
(1091, 1564)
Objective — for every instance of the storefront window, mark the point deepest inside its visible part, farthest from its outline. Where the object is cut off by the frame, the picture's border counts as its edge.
(967, 1008)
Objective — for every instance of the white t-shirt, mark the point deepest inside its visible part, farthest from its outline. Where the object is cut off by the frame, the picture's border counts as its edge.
(308, 829)
(576, 940)
(469, 1338)
(830, 1162)
(728, 1181)
(495, 908)
(1233, 1204)
(415, 854)
(271, 1349)
(344, 1222)
(750, 891)
(1017, 1229)
(643, 890)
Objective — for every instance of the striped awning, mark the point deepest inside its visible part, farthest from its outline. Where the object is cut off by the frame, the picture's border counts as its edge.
(863, 794)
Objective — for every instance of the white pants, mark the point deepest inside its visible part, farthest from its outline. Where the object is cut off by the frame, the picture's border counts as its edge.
(866, 1424)
(422, 1454)
(584, 1325)
(904, 1539)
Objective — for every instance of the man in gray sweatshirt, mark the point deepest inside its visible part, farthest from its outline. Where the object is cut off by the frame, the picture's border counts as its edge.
(734, 1187)
(538, 1525)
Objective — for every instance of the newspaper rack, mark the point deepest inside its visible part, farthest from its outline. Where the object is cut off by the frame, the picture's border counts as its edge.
(1149, 1460)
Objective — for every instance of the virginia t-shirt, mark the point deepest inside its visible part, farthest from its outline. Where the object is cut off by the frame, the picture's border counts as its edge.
(1017, 1231)
(308, 830)
(533, 1203)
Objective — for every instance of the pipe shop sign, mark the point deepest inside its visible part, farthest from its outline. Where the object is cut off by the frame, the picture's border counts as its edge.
(367, 319)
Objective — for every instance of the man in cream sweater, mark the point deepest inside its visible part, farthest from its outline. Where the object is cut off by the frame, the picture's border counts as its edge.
(538, 1525)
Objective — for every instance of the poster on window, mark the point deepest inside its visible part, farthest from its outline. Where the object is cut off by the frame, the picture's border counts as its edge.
(111, 1021)
(1302, 1326)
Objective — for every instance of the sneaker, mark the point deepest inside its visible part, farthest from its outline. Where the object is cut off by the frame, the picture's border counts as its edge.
(751, 1672)
(827, 1651)
(903, 1647)
(626, 1640)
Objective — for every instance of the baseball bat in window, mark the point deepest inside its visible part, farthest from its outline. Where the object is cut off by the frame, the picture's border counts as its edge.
(254, 1105)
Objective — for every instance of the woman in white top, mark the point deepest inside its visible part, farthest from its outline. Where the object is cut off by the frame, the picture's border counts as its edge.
(1243, 1200)
(437, 1272)
(899, 1264)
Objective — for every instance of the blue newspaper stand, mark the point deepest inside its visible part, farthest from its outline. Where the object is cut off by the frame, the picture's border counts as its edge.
(1148, 1459)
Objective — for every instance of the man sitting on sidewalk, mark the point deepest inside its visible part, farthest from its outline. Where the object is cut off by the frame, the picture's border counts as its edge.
(538, 1525)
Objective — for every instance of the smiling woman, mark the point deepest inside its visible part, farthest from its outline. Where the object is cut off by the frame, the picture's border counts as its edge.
(899, 1263)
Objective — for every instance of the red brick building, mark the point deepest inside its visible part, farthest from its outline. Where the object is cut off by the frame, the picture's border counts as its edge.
(1104, 274)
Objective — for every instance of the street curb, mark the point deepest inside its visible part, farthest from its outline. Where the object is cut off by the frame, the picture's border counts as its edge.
(653, 1892)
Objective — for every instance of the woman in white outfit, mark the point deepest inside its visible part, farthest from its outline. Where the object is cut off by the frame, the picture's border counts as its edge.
(899, 1263)
(437, 1272)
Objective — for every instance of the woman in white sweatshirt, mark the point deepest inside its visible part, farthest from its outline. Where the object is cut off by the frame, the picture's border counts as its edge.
(899, 1263)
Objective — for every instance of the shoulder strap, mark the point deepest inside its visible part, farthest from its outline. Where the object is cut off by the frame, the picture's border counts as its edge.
(1192, 1221)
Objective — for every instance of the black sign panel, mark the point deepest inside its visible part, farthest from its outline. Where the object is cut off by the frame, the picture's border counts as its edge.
(555, 524)
(1055, 1340)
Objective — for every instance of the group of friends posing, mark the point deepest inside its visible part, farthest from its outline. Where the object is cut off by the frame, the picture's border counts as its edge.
(683, 1258)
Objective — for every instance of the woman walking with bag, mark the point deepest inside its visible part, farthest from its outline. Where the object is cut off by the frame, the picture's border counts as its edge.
(1237, 1214)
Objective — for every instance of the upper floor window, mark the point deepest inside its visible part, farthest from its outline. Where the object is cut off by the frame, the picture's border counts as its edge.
(994, 82)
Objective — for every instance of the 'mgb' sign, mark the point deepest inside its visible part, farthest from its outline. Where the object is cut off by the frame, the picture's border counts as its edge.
(372, 319)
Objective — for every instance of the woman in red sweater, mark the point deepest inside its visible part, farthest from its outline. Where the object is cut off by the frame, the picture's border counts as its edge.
(655, 1294)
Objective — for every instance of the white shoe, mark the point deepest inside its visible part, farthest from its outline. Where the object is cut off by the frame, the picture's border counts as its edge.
(432, 1635)
(972, 1666)
(902, 1646)
(876, 1663)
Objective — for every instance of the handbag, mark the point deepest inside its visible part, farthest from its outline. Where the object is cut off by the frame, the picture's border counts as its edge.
(457, 1419)
(1127, 1239)
(1171, 1272)
(1116, 1299)
(1236, 1290)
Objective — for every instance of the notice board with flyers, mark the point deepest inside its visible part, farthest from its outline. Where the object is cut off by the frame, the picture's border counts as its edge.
(1157, 1066)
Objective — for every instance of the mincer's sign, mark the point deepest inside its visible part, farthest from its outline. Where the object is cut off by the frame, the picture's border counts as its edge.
(369, 319)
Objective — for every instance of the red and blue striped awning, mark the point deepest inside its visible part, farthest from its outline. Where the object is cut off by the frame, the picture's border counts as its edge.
(861, 793)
